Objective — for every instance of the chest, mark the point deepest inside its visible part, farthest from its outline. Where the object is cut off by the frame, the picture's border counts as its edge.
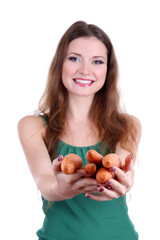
(80, 134)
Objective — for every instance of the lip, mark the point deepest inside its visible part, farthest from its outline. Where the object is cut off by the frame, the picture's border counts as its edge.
(84, 79)
(83, 82)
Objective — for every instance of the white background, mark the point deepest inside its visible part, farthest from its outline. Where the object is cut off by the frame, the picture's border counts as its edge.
(29, 33)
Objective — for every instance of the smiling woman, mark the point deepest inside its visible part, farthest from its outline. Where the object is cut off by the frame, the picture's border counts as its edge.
(85, 66)
(80, 110)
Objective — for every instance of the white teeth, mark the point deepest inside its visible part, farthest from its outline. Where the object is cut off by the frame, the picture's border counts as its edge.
(82, 81)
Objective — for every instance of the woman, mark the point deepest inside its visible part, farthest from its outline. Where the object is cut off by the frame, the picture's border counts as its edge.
(80, 111)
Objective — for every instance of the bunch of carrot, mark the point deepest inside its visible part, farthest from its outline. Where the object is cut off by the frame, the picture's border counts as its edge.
(97, 165)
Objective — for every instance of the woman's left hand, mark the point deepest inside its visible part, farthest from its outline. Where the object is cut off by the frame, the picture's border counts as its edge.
(119, 186)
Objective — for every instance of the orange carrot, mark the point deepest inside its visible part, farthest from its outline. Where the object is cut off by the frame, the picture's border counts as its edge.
(112, 160)
(103, 175)
(70, 163)
(94, 157)
(90, 169)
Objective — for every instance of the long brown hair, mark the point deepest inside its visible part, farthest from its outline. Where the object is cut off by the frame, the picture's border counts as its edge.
(113, 125)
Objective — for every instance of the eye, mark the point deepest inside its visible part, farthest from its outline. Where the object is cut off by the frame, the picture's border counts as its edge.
(98, 62)
(74, 59)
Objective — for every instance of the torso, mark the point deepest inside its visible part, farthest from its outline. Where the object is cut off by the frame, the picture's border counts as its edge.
(80, 134)
(82, 218)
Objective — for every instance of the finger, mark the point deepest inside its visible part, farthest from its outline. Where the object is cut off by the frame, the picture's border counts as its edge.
(122, 177)
(118, 187)
(56, 164)
(72, 178)
(125, 179)
(96, 197)
(107, 195)
(129, 163)
(85, 182)
(89, 189)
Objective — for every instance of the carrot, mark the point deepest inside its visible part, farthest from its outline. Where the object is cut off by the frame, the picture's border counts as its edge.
(70, 163)
(90, 169)
(94, 157)
(112, 160)
(103, 175)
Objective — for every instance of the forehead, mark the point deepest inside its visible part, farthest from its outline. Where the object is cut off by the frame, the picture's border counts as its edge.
(90, 45)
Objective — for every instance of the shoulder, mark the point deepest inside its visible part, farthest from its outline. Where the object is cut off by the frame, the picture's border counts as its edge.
(31, 125)
(135, 121)
(136, 125)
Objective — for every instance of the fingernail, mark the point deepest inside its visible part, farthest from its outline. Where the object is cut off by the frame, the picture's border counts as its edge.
(113, 169)
(109, 187)
(59, 158)
(98, 184)
(83, 174)
(109, 181)
(87, 195)
(107, 184)
(100, 189)
(131, 156)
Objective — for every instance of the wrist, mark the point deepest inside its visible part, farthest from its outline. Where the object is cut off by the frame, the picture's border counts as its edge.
(47, 185)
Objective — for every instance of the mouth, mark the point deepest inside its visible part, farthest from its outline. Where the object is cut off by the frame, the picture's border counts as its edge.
(83, 82)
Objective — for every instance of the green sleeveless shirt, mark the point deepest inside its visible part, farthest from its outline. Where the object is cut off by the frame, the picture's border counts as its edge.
(81, 218)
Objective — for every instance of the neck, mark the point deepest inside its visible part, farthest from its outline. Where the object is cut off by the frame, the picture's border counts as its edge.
(79, 108)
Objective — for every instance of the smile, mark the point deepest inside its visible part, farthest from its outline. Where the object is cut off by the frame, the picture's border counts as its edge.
(83, 82)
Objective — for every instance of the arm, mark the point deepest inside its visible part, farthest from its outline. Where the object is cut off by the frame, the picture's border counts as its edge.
(52, 183)
(124, 153)
(31, 132)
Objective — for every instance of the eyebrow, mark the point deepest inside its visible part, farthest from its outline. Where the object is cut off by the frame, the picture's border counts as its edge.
(78, 54)
(74, 53)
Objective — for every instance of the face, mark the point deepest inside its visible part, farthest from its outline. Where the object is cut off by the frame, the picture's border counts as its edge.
(85, 66)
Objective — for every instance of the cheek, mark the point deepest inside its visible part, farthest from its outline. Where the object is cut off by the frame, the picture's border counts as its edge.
(67, 71)
(101, 74)
(102, 77)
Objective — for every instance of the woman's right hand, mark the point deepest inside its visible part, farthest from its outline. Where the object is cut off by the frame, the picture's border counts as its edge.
(68, 186)
(51, 182)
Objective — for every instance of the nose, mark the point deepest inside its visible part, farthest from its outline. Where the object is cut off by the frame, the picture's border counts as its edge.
(85, 68)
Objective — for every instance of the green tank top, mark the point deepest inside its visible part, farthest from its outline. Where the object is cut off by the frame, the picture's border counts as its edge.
(81, 218)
